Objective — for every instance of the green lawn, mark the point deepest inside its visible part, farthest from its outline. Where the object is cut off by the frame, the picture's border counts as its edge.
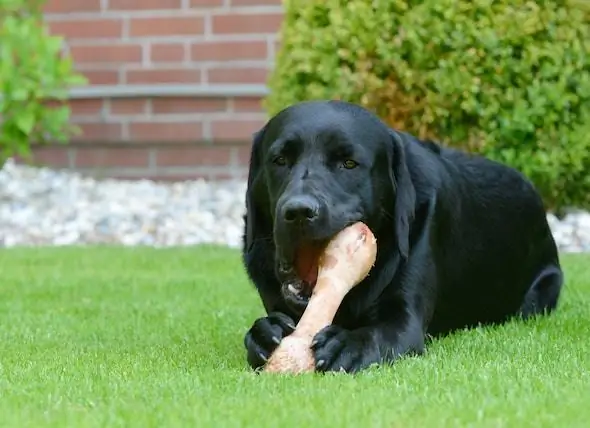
(149, 338)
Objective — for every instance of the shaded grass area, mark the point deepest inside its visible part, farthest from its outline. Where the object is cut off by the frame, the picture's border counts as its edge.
(105, 337)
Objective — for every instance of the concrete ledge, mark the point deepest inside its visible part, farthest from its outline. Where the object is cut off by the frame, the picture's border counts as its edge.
(167, 90)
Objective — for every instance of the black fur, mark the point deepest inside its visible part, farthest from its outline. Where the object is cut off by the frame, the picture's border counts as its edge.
(462, 240)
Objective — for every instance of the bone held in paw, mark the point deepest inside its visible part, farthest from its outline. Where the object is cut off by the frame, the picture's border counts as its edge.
(345, 262)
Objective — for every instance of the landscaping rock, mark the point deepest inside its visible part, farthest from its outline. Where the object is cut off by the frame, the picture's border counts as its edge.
(41, 206)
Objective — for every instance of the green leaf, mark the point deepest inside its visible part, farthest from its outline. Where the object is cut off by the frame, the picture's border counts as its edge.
(25, 121)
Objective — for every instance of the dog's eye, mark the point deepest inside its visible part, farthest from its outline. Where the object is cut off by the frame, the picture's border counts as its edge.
(280, 160)
(349, 164)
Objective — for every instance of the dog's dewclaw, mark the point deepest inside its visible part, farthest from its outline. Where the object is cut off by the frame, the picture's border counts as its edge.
(346, 261)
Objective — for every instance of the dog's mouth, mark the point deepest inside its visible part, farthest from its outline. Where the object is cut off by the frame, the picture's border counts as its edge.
(300, 274)
(306, 262)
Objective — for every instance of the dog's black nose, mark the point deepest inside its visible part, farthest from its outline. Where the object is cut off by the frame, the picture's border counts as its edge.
(300, 209)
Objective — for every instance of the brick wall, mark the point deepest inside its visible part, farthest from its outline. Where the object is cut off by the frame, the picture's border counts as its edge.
(175, 85)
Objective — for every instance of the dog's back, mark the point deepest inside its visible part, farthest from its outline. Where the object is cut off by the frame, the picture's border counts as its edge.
(493, 241)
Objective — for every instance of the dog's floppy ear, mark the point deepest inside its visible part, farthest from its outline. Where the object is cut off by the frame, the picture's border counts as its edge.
(405, 194)
(252, 218)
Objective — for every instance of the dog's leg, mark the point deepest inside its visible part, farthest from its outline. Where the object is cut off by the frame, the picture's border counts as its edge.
(543, 295)
(338, 349)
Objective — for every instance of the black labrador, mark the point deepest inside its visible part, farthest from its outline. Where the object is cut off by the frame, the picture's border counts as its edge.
(462, 240)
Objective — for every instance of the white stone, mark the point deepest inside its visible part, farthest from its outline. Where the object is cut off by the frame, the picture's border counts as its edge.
(40, 206)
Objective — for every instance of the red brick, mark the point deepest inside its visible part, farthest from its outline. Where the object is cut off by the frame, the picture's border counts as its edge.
(243, 154)
(247, 23)
(255, 3)
(167, 52)
(69, 6)
(53, 156)
(164, 176)
(87, 28)
(237, 75)
(111, 157)
(98, 132)
(189, 156)
(128, 106)
(166, 131)
(167, 26)
(144, 4)
(229, 50)
(206, 3)
(86, 107)
(250, 104)
(116, 54)
(179, 75)
(188, 105)
(53, 103)
(235, 129)
(168, 175)
(101, 77)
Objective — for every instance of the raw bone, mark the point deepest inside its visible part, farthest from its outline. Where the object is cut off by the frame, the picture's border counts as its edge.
(345, 262)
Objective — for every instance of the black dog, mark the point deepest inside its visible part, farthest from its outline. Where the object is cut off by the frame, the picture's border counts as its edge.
(462, 240)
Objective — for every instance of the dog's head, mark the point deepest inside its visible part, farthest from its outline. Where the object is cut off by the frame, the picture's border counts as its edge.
(317, 167)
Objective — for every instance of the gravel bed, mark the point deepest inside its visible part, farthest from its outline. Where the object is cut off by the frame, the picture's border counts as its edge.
(41, 206)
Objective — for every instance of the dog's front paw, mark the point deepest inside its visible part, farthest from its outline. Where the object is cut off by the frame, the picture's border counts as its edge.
(338, 349)
(265, 335)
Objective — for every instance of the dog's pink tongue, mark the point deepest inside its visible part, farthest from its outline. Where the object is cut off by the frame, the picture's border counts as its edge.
(306, 262)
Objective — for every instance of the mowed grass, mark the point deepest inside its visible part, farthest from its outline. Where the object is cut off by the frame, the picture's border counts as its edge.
(106, 337)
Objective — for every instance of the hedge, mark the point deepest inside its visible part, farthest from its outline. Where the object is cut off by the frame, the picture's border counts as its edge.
(35, 75)
(509, 79)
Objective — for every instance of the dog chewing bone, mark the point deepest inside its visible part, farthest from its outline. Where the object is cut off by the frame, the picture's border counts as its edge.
(345, 262)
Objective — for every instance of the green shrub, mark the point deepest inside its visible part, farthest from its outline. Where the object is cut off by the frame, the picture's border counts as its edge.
(509, 79)
(34, 78)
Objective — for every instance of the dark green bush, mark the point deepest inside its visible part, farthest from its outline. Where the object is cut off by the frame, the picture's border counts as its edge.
(34, 78)
(509, 79)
